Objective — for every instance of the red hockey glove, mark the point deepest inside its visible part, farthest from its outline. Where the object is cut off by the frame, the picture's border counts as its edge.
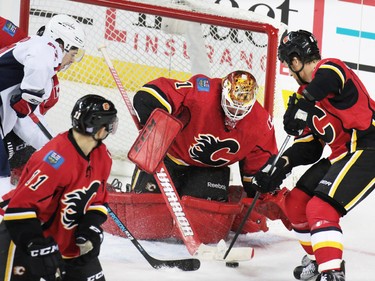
(25, 102)
(267, 181)
(46, 261)
(53, 97)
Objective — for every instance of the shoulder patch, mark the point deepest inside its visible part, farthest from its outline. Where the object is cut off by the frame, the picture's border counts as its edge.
(10, 28)
(54, 159)
(203, 85)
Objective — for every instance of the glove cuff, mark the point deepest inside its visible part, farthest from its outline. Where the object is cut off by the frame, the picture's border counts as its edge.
(39, 247)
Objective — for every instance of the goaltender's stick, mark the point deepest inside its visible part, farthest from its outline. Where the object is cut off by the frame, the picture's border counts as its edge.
(255, 199)
(161, 175)
(171, 197)
(183, 264)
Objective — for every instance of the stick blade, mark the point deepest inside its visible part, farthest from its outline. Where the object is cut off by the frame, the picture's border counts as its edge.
(184, 265)
(206, 252)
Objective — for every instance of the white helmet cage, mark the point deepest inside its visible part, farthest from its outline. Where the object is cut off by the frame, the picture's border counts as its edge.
(69, 31)
(239, 90)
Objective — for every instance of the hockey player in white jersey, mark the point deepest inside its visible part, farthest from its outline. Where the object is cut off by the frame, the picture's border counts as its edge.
(27, 72)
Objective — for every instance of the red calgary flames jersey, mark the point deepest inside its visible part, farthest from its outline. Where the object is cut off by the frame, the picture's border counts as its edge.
(344, 119)
(205, 141)
(58, 186)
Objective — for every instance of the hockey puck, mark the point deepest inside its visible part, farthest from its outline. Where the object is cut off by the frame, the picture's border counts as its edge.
(232, 264)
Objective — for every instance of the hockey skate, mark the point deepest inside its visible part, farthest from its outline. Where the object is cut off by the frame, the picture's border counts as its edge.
(308, 270)
(333, 275)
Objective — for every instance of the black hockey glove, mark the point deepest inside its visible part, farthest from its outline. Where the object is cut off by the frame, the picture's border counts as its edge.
(88, 239)
(296, 115)
(46, 261)
(266, 181)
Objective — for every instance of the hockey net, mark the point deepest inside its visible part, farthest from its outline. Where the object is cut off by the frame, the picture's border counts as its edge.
(146, 40)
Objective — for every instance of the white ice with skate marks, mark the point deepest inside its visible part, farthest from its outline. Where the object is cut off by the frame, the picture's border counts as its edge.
(276, 254)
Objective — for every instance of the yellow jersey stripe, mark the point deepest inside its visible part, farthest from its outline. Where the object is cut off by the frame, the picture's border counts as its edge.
(343, 172)
(156, 95)
(338, 72)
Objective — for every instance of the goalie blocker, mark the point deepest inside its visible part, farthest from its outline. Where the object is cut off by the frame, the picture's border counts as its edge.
(154, 140)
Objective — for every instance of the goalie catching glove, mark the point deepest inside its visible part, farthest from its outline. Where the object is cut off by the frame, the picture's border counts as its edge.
(296, 115)
(267, 181)
(46, 261)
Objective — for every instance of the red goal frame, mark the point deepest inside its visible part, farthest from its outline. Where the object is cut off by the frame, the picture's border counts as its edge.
(271, 31)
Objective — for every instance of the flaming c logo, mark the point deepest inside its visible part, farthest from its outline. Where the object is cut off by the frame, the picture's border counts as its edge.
(211, 150)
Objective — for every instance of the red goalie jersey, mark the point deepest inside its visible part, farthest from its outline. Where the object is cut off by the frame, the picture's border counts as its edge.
(205, 141)
(9, 33)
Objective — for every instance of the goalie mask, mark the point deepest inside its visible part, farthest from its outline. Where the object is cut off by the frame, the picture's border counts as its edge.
(238, 96)
(91, 113)
(69, 31)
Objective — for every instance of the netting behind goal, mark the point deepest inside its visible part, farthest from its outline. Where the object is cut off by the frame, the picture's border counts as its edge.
(146, 41)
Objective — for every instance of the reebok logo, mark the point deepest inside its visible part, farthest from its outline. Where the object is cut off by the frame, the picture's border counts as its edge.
(216, 185)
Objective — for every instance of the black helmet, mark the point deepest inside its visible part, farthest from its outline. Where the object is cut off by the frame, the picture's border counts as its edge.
(92, 112)
(299, 43)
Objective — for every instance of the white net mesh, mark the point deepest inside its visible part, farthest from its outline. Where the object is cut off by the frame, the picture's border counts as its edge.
(144, 45)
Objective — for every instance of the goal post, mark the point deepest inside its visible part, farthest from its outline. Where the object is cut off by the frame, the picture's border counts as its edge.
(149, 39)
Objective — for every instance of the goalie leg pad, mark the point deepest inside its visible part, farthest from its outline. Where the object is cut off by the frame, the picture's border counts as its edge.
(273, 207)
(256, 221)
(212, 220)
(145, 215)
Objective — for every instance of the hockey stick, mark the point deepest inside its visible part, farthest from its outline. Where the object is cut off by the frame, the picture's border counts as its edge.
(183, 264)
(162, 176)
(256, 197)
(171, 197)
(40, 125)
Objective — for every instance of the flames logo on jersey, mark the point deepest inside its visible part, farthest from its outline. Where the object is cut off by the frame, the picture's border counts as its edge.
(76, 203)
(212, 151)
(320, 123)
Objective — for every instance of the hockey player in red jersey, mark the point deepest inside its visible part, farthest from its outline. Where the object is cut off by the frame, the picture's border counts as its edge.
(224, 124)
(52, 222)
(334, 109)
(28, 81)
(219, 130)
